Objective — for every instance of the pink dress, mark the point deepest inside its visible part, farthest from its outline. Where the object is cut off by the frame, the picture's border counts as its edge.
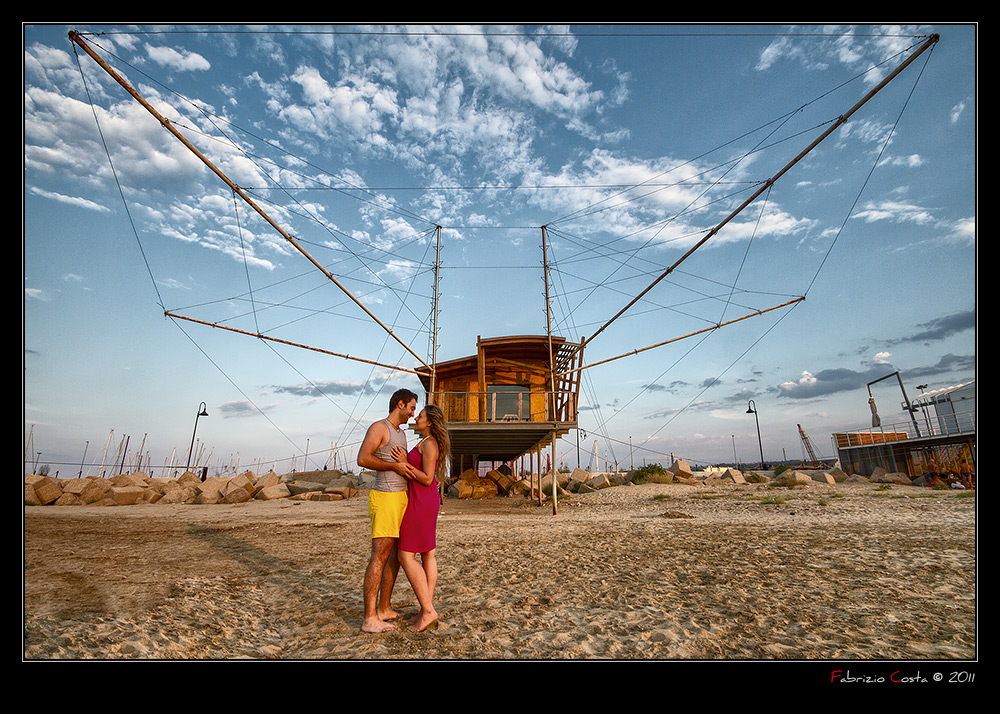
(417, 533)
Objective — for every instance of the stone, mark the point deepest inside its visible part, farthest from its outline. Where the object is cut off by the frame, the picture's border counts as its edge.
(235, 493)
(30, 497)
(136, 478)
(269, 493)
(732, 475)
(244, 480)
(178, 495)
(298, 487)
(793, 478)
(126, 495)
(209, 490)
(880, 475)
(47, 490)
(95, 490)
(344, 492)
(681, 468)
(188, 479)
(838, 474)
(76, 486)
(598, 481)
(268, 479)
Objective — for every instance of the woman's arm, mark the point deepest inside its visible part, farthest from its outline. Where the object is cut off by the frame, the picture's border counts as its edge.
(429, 458)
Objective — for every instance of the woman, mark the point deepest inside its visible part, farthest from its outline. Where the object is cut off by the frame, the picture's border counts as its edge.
(417, 534)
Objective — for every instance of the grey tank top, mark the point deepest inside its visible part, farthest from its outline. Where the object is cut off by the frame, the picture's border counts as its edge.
(390, 480)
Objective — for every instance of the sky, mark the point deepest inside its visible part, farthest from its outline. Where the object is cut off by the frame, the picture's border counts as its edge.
(628, 144)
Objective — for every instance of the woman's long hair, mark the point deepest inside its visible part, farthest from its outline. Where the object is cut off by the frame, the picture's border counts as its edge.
(439, 430)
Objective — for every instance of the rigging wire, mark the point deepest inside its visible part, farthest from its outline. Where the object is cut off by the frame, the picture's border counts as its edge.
(438, 31)
(385, 343)
(711, 383)
(236, 212)
(779, 121)
(586, 377)
(812, 281)
(785, 314)
(569, 313)
(114, 173)
(214, 119)
(321, 284)
(655, 270)
(235, 386)
(871, 171)
(739, 271)
(663, 226)
(152, 279)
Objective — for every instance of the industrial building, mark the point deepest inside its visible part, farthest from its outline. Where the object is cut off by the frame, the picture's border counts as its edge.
(941, 437)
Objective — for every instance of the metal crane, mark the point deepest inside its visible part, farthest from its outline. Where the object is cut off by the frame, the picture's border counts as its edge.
(807, 445)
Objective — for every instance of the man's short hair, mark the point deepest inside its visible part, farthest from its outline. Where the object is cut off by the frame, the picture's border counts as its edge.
(401, 395)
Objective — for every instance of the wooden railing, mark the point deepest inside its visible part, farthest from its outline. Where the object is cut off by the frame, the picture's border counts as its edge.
(500, 406)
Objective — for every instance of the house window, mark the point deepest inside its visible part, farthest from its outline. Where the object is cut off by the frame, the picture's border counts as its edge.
(508, 402)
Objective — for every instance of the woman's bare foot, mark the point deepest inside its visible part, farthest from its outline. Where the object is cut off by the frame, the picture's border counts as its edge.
(426, 620)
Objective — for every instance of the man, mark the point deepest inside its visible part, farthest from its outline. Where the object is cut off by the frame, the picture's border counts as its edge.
(386, 505)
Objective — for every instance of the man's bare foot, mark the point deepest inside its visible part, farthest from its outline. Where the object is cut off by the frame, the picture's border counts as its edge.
(426, 620)
(386, 615)
(377, 626)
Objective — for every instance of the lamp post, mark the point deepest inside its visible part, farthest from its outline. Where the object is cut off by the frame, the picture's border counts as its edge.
(752, 409)
(201, 412)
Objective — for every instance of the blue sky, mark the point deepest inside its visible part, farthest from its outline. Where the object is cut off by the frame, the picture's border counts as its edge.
(629, 143)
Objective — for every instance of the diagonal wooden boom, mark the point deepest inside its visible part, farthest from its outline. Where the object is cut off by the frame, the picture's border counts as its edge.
(770, 182)
(288, 342)
(75, 37)
(682, 337)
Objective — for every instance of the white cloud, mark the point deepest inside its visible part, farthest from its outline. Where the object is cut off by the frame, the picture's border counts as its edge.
(965, 230)
(806, 381)
(70, 200)
(183, 61)
(897, 211)
(859, 51)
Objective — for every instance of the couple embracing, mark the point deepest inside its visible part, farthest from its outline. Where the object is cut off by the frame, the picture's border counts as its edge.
(403, 506)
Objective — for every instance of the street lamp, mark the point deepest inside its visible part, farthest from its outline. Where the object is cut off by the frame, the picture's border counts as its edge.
(752, 409)
(201, 412)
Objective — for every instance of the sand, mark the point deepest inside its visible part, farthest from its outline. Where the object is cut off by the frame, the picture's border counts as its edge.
(651, 572)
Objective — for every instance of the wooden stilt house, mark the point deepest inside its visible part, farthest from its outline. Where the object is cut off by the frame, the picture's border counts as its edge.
(508, 399)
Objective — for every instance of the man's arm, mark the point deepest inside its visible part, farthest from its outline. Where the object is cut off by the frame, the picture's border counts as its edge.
(376, 436)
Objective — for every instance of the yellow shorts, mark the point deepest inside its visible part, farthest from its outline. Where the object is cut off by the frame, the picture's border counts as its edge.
(386, 510)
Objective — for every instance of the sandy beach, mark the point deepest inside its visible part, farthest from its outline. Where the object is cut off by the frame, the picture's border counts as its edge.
(654, 571)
